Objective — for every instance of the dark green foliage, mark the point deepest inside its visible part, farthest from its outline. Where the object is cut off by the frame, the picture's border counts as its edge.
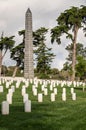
(39, 36)
(17, 53)
(54, 71)
(6, 43)
(80, 51)
(44, 58)
(81, 67)
(43, 76)
(43, 53)
(66, 66)
(69, 22)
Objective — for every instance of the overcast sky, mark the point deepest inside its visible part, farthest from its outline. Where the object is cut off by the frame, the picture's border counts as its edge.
(45, 13)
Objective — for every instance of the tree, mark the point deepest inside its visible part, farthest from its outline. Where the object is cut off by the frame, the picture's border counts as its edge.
(67, 68)
(80, 51)
(43, 53)
(17, 53)
(44, 56)
(69, 23)
(81, 67)
(4, 70)
(6, 43)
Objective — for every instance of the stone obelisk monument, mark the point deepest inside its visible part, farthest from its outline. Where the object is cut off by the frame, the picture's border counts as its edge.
(28, 56)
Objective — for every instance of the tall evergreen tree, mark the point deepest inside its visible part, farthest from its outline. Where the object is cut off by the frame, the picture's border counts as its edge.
(69, 23)
(17, 53)
(80, 52)
(43, 53)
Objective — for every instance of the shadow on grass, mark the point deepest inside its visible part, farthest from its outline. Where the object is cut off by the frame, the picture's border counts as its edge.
(78, 89)
(38, 119)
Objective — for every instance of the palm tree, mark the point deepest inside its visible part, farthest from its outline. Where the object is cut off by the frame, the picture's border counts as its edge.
(69, 23)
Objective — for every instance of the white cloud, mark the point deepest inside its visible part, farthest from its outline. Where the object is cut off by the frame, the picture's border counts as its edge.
(2, 24)
(45, 12)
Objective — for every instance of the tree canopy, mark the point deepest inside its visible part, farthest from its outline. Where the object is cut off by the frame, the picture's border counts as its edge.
(69, 22)
(44, 55)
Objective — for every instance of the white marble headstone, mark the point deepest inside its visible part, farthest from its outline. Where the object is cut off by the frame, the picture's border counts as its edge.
(74, 96)
(1, 88)
(72, 90)
(64, 96)
(5, 108)
(9, 98)
(25, 97)
(27, 106)
(52, 97)
(35, 92)
(55, 91)
(45, 91)
(40, 97)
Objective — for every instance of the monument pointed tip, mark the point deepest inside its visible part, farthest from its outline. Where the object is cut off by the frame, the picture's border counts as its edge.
(28, 10)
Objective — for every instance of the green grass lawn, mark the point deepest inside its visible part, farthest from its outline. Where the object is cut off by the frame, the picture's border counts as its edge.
(58, 115)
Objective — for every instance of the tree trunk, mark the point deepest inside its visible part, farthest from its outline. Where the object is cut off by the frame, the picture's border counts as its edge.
(0, 62)
(74, 52)
(15, 71)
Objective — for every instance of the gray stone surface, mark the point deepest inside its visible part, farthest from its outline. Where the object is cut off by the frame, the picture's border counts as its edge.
(28, 58)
